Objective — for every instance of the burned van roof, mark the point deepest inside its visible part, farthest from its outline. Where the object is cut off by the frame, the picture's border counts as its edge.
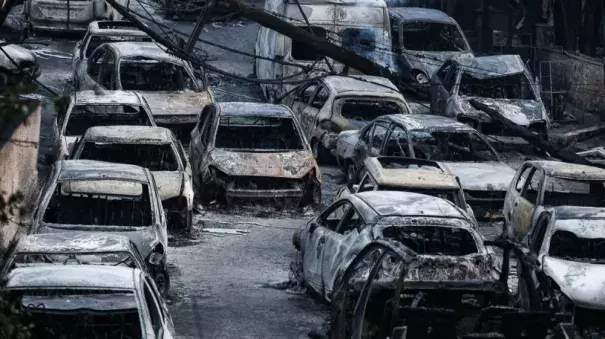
(254, 109)
(364, 83)
(430, 122)
(393, 203)
(570, 171)
(133, 49)
(415, 14)
(73, 242)
(128, 135)
(106, 98)
(492, 66)
(73, 276)
(92, 169)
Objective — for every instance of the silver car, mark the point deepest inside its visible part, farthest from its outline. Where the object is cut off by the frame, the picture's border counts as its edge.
(58, 15)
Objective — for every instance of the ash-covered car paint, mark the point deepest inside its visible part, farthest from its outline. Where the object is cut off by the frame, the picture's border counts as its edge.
(423, 39)
(86, 109)
(332, 240)
(83, 248)
(458, 148)
(90, 301)
(332, 104)
(154, 148)
(15, 59)
(501, 81)
(97, 196)
(252, 151)
(168, 84)
(408, 175)
(541, 184)
(74, 16)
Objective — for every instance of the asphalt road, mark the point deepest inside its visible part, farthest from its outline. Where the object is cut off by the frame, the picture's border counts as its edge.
(223, 285)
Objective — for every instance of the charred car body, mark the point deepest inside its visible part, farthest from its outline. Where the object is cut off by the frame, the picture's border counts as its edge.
(501, 82)
(252, 151)
(84, 248)
(458, 148)
(167, 83)
(69, 301)
(154, 148)
(333, 104)
(431, 226)
(88, 108)
(423, 39)
(96, 196)
(57, 15)
(408, 175)
(15, 60)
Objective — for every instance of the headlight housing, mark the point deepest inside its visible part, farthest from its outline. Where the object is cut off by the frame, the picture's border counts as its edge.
(419, 76)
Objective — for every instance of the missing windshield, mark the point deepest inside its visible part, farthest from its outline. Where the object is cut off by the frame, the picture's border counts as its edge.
(367, 109)
(433, 37)
(566, 245)
(146, 74)
(105, 259)
(434, 239)
(154, 157)
(86, 116)
(451, 146)
(568, 192)
(515, 86)
(266, 133)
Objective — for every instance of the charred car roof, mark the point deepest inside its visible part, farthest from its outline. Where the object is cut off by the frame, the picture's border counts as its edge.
(569, 171)
(429, 122)
(133, 49)
(128, 135)
(70, 276)
(492, 66)
(109, 27)
(363, 83)
(415, 14)
(92, 169)
(578, 213)
(410, 177)
(73, 242)
(389, 203)
(106, 98)
(254, 109)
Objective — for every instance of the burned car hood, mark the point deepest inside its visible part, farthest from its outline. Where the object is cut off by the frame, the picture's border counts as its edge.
(581, 282)
(177, 103)
(520, 112)
(435, 268)
(170, 183)
(291, 165)
(430, 62)
(18, 54)
(482, 176)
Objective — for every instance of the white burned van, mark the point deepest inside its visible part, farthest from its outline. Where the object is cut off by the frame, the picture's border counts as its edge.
(360, 25)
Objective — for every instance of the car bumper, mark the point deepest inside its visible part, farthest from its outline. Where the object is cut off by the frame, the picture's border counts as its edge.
(264, 194)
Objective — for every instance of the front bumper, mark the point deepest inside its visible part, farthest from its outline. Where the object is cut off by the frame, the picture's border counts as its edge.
(264, 194)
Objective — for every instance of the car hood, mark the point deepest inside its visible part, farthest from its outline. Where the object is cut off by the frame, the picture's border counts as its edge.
(170, 183)
(430, 62)
(291, 165)
(177, 103)
(482, 176)
(581, 282)
(18, 54)
(520, 112)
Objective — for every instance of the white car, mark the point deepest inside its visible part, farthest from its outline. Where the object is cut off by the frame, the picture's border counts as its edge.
(74, 16)
(154, 148)
(67, 301)
(13, 59)
(88, 108)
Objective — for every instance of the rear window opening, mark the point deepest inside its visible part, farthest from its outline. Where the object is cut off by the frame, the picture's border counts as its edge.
(434, 240)
(568, 192)
(97, 40)
(433, 37)
(367, 109)
(303, 51)
(451, 146)
(105, 259)
(154, 157)
(86, 116)
(83, 202)
(568, 246)
(515, 86)
(146, 74)
(262, 133)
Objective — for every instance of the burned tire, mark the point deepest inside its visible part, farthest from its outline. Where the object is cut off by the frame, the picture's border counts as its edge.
(162, 281)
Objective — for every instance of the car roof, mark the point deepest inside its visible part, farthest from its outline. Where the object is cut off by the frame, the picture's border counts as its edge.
(129, 135)
(396, 203)
(429, 122)
(92, 169)
(363, 83)
(73, 276)
(492, 66)
(410, 177)
(106, 98)
(569, 171)
(409, 14)
(254, 109)
(73, 242)
(110, 27)
(131, 49)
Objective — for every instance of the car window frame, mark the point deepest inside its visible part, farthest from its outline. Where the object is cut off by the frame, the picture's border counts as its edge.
(392, 128)
(146, 288)
(453, 73)
(520, 176)
(324, 216)
(348, 215)
(101, 51)
(367, 177)
(317, 91)
(385, 125)
(538, 189)
(538, 236)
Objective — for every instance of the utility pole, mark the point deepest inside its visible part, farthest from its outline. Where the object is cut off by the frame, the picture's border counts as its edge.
(199, 25)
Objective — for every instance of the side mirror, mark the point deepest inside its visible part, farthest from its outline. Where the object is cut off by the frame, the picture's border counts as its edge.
(312, 227)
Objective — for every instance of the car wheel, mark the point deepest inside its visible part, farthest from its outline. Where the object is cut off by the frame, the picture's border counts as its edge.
(350, 173)
(162, 282)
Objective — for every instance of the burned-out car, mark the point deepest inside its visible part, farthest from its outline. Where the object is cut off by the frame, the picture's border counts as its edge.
(97, 196)
(57, 15)
(423, 39)
(167, 83)
(89, 108)
(84, 248)
(68, 301)
(332, 104)
(15, 59)
(542, 184)
(501, 82)
(253, 151)
(408, 175)
(431, 226)
(154, 148)
(458, 148)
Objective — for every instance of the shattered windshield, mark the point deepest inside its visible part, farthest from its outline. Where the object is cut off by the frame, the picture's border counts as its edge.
(97, 40)
(155, 157)
(261, 133)
(515, 86)
(367, 109)
(83, 117)
(568, 246)
(451, 146)
(105, 259)
(434, 240)
(568, 192)
(146, 74)
(433, 37)
(99, 203)
(449, 195)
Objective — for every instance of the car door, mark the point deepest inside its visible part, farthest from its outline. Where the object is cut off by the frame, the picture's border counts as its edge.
(437, 84)
(300, 101)
(198, 145)
(535, 241)
(525, 204)
(361, 147)
(315, 238)
(513, 193)
(444, 92)
(313, 109)
(374, 144)
(396, 143)
(91, 75)
(108, 73)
